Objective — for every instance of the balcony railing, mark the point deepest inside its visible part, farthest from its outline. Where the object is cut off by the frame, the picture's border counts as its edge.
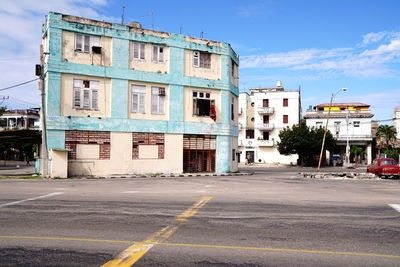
(265, 143)
(265, 126)
(343, 137)
(265, 110)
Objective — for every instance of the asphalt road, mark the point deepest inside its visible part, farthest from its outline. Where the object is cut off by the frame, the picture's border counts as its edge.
(277, 219)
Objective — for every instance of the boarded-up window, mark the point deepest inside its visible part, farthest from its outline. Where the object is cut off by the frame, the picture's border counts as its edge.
(87, 151)
(83, 144)
(144, 145)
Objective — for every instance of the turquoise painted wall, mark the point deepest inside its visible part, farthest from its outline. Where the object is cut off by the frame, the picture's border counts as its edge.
(120, 75)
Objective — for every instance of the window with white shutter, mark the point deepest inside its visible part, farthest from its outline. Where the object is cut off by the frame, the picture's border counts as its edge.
(158, 53)
(84, 42)
(139, 51)
(157, 100)
(85, 94)
(138, 98)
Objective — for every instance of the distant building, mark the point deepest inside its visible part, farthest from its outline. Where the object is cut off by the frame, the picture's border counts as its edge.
(262, 115)
(396, 123)
(20, 119)
(347, 122)
(121, 99)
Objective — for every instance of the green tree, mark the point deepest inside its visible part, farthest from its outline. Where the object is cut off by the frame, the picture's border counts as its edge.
(358, 153)
(304, 141)
(385, 137)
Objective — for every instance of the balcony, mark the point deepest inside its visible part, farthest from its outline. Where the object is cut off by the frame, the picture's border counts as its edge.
(265, 110)
(265, 126)
(343, 137)
(247, 143)
(265, 143)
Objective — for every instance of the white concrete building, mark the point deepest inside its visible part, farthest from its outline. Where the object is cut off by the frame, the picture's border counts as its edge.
(396, 122)
(262, 115)
(20, 119)
(348, 122)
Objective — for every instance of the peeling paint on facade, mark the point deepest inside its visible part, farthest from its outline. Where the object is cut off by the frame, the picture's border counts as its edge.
(92, 70)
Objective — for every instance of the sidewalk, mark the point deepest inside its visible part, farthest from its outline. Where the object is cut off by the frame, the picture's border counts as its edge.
(16, 168)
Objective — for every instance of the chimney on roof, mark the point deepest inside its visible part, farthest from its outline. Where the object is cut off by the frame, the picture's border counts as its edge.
(135, 24)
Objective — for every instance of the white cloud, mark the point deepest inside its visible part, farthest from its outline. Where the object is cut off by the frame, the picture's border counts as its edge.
(375, 62)
(20, 36)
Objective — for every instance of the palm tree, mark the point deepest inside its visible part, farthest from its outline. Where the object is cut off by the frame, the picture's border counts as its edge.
(358, 153)
(385, 136)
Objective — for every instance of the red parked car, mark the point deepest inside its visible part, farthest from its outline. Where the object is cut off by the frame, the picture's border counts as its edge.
(384, 168)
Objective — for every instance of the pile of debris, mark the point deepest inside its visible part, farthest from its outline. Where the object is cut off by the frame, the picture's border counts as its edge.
(343, 175)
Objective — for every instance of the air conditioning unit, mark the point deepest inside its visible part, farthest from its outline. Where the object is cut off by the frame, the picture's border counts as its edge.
(161, 91)
(96, 49)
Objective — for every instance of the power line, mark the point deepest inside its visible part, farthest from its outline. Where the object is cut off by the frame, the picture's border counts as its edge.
(16, 85)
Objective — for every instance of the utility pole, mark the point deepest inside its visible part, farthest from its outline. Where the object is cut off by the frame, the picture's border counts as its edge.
(43, 151)
(326, 126)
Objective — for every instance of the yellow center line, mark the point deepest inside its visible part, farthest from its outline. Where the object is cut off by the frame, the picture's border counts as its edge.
(205, 246)
(132, 254)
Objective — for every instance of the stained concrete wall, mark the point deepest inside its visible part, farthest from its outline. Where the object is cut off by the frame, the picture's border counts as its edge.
(121, 161)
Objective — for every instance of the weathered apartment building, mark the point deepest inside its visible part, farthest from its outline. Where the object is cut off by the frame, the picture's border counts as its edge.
(121, 99)
(262, 115)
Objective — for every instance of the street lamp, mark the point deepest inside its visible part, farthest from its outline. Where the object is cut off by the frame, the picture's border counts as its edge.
(326, 125)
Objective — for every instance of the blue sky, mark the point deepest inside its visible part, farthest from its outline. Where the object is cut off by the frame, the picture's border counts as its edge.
(318, 45)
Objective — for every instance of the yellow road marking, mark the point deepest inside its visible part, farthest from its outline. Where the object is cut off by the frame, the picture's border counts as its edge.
(129, 256)
(205, 246)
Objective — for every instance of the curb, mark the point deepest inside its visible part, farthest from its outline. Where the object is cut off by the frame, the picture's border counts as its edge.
(171, 175)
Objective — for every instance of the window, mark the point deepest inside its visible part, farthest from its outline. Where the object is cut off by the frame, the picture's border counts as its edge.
(265, 135)
(356, 124)
(285, 102)
(86, 94)
(337, 126)
(201, 59)
(138, 98)
(265, 103)
(157, 100)
(233, 154)
(249, 134)
(265, 119)
(233, 108)
(203, 105)
(139, 51)
(285, 118)
(84, 42)
(158, 53)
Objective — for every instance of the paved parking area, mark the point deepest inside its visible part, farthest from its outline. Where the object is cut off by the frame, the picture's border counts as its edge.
(263, 219)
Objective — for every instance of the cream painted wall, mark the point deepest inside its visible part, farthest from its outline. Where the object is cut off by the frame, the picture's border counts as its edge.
(148, 64)
(69, 54)
(121, 161)
(188, 99)
(148, 115)
(104, 98)
(234, 164)
(87, 151)
(148, 152)
(213, 73)
(58, 163)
